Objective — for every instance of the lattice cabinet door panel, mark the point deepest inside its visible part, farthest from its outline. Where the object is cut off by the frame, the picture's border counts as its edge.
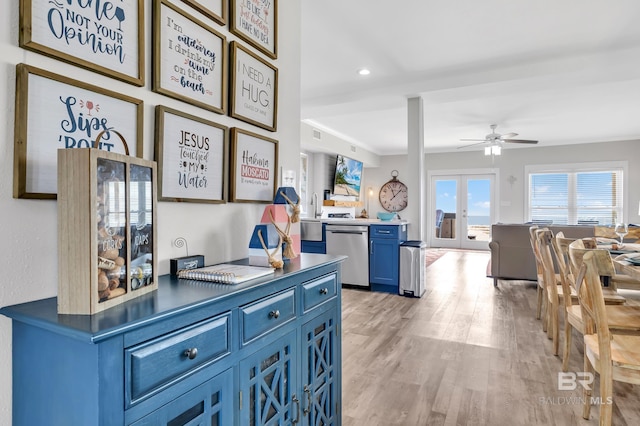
(210, 404)
(320, 373)
(268, 385)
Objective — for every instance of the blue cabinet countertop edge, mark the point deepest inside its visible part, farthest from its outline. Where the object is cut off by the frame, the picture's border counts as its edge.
(172, 297)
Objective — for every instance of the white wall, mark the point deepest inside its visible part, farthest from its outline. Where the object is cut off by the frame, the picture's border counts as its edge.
(512, 162)
(220, 232)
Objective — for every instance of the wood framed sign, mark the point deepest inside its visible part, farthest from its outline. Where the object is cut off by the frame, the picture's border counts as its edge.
(214, 9)
(103, 36)
(254, 89)
(254, 164)
(192, 155)
(54, 112)
(256, 22)
(189, 58)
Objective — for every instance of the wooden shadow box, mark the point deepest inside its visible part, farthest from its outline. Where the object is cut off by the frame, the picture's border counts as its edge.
(107, 229)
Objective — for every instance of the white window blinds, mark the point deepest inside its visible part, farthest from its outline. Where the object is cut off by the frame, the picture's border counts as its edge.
(576, 197)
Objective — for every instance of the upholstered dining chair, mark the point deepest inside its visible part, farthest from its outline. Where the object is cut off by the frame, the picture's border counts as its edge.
(613, 357)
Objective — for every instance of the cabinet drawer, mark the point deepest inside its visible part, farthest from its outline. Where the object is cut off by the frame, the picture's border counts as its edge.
(319, 291)
(383, 231)
(152, 364)
(267, 314)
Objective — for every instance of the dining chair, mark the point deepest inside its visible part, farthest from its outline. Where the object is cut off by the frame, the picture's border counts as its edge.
(556, 296)
(612, 356)
(622, 319)
(541, 297)
(613, 279)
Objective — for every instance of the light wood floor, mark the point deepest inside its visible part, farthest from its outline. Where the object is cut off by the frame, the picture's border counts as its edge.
(466, 353)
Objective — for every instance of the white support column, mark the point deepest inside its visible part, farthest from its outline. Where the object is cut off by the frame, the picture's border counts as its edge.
(415, 167)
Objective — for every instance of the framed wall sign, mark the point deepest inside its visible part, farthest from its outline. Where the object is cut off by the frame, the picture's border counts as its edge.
(54, 112)
(254, 88)
(214, 9)
(105, 36)
(192, 155)
(256, 22)
(189, 60)
(254, 164)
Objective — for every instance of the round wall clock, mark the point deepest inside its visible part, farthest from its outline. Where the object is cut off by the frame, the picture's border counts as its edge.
(393, 194)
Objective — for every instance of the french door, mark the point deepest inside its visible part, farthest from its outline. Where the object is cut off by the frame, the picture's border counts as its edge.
(462, 210)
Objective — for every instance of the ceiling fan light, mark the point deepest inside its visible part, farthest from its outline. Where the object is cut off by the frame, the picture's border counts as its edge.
(496, 150)
(487, 150)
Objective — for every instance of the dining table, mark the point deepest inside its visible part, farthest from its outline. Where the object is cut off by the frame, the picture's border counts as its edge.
(626, 258)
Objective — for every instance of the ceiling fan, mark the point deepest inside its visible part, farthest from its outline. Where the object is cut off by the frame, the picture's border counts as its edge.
(494, 141)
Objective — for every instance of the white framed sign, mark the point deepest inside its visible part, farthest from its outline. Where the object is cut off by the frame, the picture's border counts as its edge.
(192, 155)
(54, 112)
(256, 22)
(254, 164)
(214, 9)
(105, 36)
(189, 58)
(254, 89)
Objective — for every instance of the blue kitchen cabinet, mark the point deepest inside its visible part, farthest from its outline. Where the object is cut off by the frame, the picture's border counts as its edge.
(189, 353)
(319, 242)
(384, 256)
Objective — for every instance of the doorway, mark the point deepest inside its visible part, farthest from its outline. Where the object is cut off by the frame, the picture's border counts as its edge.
(462, 210)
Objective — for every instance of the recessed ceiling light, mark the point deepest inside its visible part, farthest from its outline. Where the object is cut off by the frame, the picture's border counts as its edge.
(364, 71)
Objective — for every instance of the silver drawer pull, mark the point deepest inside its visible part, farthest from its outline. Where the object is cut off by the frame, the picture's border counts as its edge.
(324, 290)
(191, 353)
(274, 314)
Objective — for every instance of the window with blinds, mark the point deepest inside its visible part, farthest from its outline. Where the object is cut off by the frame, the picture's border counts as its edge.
(576, 196)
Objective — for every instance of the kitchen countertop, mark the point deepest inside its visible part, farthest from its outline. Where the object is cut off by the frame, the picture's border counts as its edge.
(341, 221)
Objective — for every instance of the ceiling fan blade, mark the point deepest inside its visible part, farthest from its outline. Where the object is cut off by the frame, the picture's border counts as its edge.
(473, 144)
(483, 140)
(519, 141)
(509, 135)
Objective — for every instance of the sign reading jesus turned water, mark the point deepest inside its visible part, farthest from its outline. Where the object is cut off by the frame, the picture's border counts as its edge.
(191, 59)
(192, 158)
(93, 33)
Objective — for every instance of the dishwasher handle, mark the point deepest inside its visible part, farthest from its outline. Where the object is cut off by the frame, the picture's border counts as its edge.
(348, 232)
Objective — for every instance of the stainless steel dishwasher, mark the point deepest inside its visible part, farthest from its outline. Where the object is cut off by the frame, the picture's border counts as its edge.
(351, 241)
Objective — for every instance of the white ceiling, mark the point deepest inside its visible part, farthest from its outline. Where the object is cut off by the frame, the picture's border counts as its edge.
(558, 71)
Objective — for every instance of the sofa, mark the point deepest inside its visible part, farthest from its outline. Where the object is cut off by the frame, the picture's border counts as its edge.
(511, 254)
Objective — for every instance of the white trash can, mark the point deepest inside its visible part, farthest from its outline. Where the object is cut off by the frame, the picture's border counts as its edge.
(412, 268)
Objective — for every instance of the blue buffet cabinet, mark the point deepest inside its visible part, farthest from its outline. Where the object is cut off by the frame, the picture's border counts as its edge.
(266, 351)
(384, 256)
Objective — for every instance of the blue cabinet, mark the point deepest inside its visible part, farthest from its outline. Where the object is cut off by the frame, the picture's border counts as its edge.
(384, 256)
(257, 353)
(319, 242)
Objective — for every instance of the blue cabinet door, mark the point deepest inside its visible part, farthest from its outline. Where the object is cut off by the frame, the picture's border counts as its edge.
(268, 383)
(383, 264)
(209, 404)
(320, 371)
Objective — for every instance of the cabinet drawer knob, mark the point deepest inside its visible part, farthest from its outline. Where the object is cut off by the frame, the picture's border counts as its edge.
(191, 353)
(324, 290)
(274, 314)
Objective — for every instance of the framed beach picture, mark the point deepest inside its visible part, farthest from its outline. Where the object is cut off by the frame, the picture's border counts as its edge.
(256, 22)
(189, 58)
(192, 155)
(106, 36)
(254, 88)
(54, 112)
(214, 9)
(254, 165)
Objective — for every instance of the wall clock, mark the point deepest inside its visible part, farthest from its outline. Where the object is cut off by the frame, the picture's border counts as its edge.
(394, 194)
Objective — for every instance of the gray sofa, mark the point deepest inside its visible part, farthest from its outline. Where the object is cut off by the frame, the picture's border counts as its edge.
(511, 254)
